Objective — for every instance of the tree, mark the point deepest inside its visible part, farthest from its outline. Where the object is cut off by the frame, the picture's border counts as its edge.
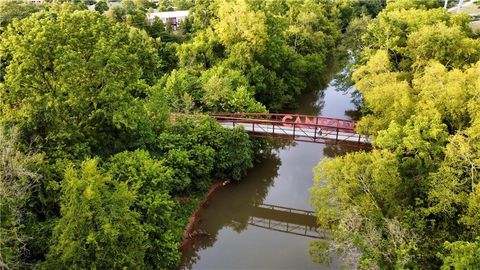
(237, 31)
(131, 13)
(165, 5)
(156, 29)
(101, 6)
(359, 197)
(450, 94)
(183, 4)
(280, 48)
(449, 45)
(181, 90)
(462, 255)
(202, 52)
(386, 96)
(309, 31)
(234, 154)
(116, 14)
(415, 202)
(412, 4)
(54, 101)
(17, 180)
(151, 180)
(227, 90)
(454, 191)
(204, 12)
(354, 32)
(97, 229)
(15, 9)
(397, 30)
(200, 151)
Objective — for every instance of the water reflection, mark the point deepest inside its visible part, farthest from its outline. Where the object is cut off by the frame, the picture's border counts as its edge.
(238, 223)
(286, 220)
(333, 150)
(232, 207)
(311, 103)
(238, 235)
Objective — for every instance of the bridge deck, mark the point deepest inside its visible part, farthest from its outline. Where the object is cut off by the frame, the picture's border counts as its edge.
(305, 128)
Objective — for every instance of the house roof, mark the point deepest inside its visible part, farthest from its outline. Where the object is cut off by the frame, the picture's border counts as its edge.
(169, 14)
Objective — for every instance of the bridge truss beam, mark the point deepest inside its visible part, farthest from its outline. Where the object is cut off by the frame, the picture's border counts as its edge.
(304, 128)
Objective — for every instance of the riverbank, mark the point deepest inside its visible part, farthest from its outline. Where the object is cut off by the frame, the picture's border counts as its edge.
(190, 232)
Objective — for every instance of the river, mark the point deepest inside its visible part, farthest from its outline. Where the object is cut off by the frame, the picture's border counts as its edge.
(282, 179)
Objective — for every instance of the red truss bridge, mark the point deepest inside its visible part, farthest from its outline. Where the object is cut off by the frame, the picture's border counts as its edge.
(303, 128)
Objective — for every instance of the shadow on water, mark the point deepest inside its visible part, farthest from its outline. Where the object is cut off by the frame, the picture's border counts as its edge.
(223, 211)
(234, 206)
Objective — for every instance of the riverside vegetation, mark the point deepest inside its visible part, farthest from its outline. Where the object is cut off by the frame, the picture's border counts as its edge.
(98, 155)
(94, 168)
(413, 202)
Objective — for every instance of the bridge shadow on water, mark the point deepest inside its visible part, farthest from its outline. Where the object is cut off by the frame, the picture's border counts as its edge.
(232, 206)
(241, 204)
(285, 220)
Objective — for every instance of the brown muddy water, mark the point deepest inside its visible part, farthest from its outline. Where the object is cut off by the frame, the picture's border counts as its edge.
(245, 224)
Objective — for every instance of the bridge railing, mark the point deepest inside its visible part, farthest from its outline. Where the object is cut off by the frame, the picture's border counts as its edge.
(304, 128)
(299, 120)
(318, 123)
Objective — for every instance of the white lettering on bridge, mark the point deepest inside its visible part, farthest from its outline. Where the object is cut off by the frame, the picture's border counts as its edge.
(311, 121)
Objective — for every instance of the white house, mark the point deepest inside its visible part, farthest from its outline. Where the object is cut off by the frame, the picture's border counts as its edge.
(172, 17)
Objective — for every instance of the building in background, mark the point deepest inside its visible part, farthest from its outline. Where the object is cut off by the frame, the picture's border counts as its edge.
(174, 18)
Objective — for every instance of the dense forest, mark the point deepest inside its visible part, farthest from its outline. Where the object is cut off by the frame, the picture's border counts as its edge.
(413, 202)
(105, 146)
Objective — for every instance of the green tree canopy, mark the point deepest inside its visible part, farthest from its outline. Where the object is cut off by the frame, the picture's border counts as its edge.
(97, 229)
(408, 33)
(462, 255)
(15, 9)
(279, 47)
(415, 203)
(151, 180)
(101, 6)
(77, 91)
(18, 179)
